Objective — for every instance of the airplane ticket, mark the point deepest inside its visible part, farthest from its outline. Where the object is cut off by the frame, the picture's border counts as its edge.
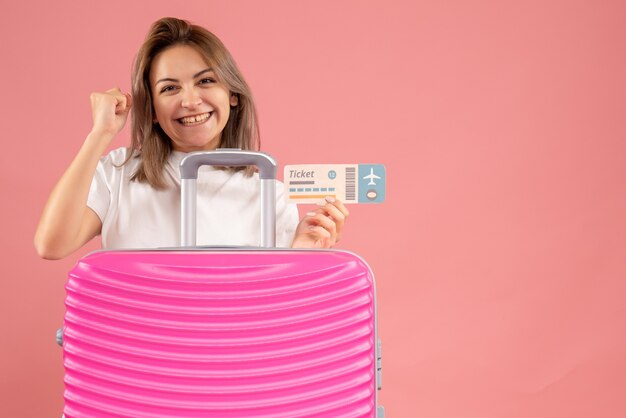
(350, 183)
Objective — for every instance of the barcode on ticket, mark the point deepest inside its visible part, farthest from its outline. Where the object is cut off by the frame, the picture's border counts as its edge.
(350, 183)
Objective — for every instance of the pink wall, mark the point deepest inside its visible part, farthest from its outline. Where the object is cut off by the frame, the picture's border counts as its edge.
(500, 254)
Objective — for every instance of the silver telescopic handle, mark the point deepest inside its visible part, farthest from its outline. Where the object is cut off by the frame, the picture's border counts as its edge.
(227, 157)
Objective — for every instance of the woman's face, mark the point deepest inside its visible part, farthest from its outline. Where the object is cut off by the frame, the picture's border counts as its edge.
(189, 104)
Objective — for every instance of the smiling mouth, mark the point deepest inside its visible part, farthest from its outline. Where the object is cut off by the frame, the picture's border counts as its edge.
(194, 120)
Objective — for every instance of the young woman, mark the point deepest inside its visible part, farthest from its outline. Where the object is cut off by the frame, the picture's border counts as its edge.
(187, 95)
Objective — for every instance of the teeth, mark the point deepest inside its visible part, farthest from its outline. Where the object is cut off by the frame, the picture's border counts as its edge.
(194, 119)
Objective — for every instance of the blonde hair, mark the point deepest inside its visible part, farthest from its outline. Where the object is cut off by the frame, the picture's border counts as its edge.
(148, 140)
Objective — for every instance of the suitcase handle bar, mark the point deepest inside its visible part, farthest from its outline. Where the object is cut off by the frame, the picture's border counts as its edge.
(228, 157)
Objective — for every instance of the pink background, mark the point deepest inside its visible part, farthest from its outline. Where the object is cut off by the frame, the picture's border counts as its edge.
(500, 254)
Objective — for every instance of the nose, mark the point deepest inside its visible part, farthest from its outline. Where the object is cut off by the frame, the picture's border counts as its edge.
(190, 99)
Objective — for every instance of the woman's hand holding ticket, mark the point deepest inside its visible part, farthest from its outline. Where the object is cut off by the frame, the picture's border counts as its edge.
(323, 227)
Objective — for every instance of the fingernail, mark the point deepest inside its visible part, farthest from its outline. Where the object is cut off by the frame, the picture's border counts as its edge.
(330, 199)
(310, 214)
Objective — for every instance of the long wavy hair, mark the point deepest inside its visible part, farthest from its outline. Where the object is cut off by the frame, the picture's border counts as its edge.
(148, 141)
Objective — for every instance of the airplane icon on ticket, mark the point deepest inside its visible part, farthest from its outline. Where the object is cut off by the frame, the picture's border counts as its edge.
(371, 177)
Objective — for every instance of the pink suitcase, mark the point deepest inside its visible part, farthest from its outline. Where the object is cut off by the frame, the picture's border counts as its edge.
(221, 332)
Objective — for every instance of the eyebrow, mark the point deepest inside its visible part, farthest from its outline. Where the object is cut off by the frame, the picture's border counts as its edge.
(194, 76)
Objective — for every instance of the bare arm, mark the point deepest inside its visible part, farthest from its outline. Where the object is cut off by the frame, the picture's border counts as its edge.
(67, 223)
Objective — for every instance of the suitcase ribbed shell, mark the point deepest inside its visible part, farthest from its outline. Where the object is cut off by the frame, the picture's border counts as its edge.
(227, 333)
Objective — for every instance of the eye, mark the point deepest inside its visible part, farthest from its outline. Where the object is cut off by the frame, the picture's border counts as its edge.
(207, 81)
(168, 89)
